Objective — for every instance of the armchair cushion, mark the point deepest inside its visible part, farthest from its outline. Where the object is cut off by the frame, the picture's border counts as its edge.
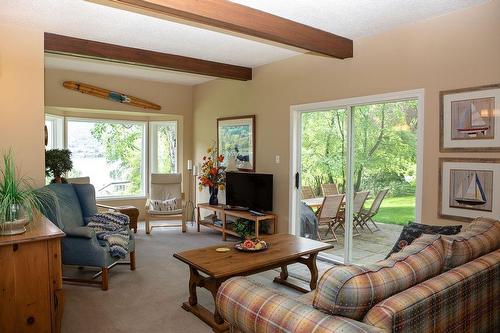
(166, 213)
(86, 196)
(164, 205)
(70, 212)
(252, 308)
(81, 232)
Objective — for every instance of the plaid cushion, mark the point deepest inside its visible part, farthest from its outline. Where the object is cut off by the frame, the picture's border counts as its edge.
(480, 237)
(351, 291)
(250, 308)
(464, 299)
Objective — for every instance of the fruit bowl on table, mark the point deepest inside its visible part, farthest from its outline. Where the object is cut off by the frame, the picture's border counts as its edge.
(252, 245)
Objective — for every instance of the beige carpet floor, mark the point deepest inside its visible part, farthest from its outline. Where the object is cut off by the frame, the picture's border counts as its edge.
(148, 299)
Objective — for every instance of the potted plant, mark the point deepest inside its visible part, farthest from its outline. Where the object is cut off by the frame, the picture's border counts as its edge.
(244, 228)
(19, 201)
(57, 163)
(213, 174)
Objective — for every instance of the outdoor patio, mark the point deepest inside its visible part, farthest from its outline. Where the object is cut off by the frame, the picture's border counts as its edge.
(369, 247)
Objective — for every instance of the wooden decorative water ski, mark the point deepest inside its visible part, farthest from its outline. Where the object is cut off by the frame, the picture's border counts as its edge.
(110, 95)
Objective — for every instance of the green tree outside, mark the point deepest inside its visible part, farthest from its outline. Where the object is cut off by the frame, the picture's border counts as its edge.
(385, 140)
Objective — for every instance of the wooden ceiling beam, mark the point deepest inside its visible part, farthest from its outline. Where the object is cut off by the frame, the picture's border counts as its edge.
(110, 52)
(248, 21)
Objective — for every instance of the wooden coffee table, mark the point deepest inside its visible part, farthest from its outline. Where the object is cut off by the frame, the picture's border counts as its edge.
(283, 250)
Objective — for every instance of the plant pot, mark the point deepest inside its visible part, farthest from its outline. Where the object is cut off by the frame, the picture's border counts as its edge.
(214, 200)
(15, 227)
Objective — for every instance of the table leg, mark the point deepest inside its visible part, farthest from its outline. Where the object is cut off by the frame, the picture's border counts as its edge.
(214, 319)
(224, 237)
(284, 273)
(193, 281)
(213, 287)
(311, 264)
(257, 229)
(198, 218)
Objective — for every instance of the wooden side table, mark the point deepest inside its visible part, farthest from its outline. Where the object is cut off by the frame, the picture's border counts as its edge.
(224, 213)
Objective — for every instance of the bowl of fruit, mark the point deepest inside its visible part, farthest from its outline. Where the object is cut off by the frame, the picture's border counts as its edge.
(252, 245)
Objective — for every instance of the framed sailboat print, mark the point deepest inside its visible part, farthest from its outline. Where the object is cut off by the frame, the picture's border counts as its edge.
(469, 188)
(470, 119)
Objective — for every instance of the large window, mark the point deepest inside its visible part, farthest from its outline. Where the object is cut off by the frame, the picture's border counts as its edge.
(163, 146)
(111, 153)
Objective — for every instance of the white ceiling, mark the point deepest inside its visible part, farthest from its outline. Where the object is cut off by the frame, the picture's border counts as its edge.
(83, 19)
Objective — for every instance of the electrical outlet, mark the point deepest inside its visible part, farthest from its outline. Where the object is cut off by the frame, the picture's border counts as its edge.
(277, 159)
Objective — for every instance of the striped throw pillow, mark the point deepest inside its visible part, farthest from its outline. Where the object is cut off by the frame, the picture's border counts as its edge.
(481, 236)
(163, 205)
(351, 291)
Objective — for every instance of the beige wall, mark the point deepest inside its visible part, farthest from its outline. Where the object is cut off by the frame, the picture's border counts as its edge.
(458, 50)
(175, 101)
(21, 98)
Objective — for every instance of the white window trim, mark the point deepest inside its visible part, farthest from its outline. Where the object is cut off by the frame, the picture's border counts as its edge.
(153, 144)
(58, 130)
(62, 142)
(348, 104)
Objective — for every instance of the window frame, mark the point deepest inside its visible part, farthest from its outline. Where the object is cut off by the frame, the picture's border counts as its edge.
(57, 137)
(144, 157)
(153, 144)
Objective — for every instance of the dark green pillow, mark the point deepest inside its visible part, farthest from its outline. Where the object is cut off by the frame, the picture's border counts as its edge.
(413, 230)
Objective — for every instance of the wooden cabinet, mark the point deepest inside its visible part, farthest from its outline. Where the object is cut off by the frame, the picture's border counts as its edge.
(31, 296)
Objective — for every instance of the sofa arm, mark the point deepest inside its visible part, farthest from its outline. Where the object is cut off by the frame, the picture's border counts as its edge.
(248, 307)
(80, 232)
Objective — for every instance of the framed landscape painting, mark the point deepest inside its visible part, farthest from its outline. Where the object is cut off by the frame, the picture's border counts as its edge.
(236, 141)
(470, 119)
(469, 188)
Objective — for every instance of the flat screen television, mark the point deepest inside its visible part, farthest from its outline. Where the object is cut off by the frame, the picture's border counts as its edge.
(250, 190)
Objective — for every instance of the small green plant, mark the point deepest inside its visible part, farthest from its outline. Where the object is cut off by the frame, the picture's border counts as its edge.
(246, 228)
(243, 227)
(57, 162)
(17, 195)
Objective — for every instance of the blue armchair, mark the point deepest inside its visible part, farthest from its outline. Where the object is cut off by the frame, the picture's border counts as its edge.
(71, 205)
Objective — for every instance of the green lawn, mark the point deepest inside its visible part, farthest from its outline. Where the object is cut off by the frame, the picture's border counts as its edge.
(398, 210)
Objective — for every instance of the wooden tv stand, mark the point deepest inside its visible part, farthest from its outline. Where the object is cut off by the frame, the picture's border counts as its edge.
(224, 213)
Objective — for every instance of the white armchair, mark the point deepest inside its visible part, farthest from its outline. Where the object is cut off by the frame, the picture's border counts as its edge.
(165, 187)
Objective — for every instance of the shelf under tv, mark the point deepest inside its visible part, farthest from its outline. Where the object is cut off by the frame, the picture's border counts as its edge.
(223, 213)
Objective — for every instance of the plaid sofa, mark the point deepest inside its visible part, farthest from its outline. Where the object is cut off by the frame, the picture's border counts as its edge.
(380, 297)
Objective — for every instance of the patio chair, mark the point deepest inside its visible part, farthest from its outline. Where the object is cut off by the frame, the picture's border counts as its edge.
(164, 187)
(357, 207)
(329, 189)
(366, 215)
(327, 215)
(306, 192)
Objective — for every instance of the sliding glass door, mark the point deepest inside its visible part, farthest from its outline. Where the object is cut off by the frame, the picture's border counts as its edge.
(355, 167)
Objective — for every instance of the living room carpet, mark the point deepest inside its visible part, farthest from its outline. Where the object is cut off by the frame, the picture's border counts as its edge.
(148, 299)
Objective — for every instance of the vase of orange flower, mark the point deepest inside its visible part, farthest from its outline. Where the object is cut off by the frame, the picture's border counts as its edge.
(212, 175)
